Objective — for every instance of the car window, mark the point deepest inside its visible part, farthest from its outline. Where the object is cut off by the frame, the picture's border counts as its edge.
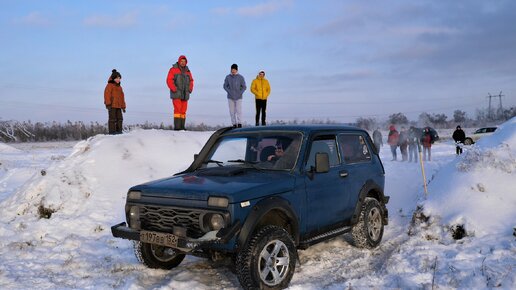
(261, 150)
(323, 145)
(353, 148)
(490, 130)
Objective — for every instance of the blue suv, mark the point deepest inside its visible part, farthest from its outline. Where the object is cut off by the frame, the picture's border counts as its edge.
(256, 195)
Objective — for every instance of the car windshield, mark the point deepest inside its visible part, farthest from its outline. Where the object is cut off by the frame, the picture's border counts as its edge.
(260, 150)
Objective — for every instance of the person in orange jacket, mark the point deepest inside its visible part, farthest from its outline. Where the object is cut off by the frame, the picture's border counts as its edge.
(115, 102)
(181, 83)
(261, 89)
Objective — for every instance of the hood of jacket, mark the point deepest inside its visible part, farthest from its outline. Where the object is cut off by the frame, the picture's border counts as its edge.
(182, 57)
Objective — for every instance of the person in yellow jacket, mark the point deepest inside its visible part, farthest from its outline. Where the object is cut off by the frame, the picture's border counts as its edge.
(261, 90)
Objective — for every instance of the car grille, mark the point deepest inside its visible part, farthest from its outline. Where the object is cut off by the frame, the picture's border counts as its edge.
(163, 219)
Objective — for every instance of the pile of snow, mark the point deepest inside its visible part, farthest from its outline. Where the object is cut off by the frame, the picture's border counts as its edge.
(4, 148)
(59, 223)
(91, 178)
(476, 191)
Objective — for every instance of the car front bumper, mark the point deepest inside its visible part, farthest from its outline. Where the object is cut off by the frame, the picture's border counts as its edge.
(185, 244)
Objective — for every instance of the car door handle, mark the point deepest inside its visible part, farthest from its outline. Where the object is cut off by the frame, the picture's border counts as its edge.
(343, 173)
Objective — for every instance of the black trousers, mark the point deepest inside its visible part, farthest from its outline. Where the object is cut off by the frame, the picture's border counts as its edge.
(261, 106)
(115, 120)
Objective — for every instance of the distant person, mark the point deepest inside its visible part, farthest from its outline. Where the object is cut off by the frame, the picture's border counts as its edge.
(377, 139)
(181, 84)
(427, 141)
(413, 137)
(115, 102)
(234, 84)
(393, 140)
(261, 89)
(403, 142)
(459, 137)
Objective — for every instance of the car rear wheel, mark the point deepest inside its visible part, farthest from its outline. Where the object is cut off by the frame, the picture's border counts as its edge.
(268, 260)
(468, 141)
(368, 232)
(157, 257)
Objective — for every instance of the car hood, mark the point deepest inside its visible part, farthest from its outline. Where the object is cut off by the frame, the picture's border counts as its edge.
(245, 185)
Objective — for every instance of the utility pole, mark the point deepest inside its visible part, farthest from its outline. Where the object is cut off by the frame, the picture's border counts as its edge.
(500, 108)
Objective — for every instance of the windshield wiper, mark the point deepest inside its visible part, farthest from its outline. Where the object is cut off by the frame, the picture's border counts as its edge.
(252, 163)
(219, 163)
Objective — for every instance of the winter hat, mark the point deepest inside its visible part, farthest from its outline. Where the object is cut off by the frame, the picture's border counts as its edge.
(262, 71)
(234, 66)
(392, 128)
(115, 74)
(458, 127)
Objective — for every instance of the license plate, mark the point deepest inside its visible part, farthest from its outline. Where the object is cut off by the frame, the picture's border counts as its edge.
(162, 239)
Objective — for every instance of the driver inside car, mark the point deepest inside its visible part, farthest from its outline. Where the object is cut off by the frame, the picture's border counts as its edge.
(278, 153)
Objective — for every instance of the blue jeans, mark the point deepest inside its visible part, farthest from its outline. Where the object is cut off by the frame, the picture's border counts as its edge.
(393, 151)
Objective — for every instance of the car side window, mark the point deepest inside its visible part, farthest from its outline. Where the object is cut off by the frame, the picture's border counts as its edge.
(354, 148)
(323, 145)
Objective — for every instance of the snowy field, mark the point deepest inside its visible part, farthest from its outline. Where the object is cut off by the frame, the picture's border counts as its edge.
(81, 188)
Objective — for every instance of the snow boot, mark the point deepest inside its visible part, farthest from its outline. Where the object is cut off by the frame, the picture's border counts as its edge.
(177, 124)
(183, 121)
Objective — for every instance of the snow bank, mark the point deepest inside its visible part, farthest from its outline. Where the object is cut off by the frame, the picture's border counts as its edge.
(4, 148)
(88, 187)
(477, 189)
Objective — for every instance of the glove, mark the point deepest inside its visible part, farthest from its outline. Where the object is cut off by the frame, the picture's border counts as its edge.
(123, 110)
(108, 107)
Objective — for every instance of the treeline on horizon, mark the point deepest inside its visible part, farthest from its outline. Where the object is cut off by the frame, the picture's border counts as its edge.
(27, 131)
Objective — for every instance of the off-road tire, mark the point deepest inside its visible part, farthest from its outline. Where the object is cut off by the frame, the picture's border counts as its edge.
(468, 141)
(154, 256)
(273, 242)
(368, 232)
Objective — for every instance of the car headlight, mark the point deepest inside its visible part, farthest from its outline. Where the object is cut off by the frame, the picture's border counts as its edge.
(134, 195)
(134, 217)
(216, 201)
(217, 222)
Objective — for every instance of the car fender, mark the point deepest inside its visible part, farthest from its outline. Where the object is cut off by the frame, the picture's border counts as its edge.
(369, 186)
(260, 210)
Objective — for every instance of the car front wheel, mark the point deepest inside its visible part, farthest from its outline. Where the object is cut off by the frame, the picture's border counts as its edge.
(268, 260)
(368, 232)
(468, 141)
(158, 257)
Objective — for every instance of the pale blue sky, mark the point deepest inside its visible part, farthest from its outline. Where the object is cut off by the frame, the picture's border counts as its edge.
(334, 60)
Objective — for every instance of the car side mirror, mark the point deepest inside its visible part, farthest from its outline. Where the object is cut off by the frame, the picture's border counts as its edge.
(322, 163)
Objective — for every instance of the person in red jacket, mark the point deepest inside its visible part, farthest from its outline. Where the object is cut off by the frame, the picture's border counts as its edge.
(392, 140)
(115, 102)
(427, 141)
(181, 83)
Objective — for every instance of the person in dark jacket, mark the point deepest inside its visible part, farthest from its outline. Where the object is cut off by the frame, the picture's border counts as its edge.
(377, 139)
(427, 141)
(234, 85)
(114, 101)
(459, 137)
(413, 137)
(181, 84)
(403, 142)
(393, 140)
